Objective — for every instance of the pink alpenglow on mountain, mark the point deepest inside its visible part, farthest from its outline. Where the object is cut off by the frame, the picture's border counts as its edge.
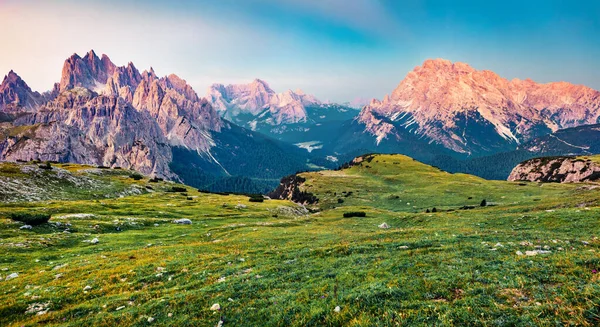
(467, 110)
(258, 99)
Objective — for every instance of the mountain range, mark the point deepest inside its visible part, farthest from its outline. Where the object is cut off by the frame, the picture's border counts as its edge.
(257, 107)
(244, 137)
(117, 116)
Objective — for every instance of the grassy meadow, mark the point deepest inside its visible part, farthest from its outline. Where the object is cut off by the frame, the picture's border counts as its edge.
(530, 257)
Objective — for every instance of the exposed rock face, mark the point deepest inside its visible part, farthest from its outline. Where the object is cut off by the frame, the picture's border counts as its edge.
(16, 95)
(556, 169)
(90, 72)
(106, 115)
(470, 111)
(289, 189)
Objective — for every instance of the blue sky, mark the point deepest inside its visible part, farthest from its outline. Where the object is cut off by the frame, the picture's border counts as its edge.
(338, 50)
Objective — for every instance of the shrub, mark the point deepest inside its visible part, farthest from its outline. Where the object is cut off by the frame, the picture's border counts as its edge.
(46, 166)
(257, 198)
(178, 189)
(190, 198)
(427, 211)
(156, 180)
(102, 167)
(434, 209)
(30, 218)
(136, 176)
(340, 200)
(483, 203)
(355, 214)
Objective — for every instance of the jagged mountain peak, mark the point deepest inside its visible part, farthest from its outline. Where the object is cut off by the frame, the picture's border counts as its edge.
(471, 111)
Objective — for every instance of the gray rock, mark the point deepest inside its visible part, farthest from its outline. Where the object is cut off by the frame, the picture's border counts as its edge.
(182, 221)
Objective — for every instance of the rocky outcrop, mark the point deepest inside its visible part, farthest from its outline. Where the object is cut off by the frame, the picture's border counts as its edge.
(289, 189)
(557, 170)
(470, 111)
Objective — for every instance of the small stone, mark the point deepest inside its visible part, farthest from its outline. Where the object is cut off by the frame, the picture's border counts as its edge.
(182, 221)
(12, 276)
(170, 314)
(215, 307)
(156, 225)
(403, 247)
(337, 309)
(87, 288)
(221, 280)
(519, 253)
(26, 227)
(220, 323)
(230, 299)
(121, 308)
(384, 226)
(150, 319)
(95, 241)
(585, 242)
(499, 245)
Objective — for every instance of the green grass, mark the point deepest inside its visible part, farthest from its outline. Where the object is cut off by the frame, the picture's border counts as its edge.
(281, 267)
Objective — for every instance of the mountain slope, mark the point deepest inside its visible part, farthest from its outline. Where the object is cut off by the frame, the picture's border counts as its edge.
(477, 112)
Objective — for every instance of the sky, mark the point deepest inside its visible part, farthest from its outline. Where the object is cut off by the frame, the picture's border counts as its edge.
(338, 50)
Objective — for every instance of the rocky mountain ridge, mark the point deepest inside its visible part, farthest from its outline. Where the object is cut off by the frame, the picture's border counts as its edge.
(477, 112)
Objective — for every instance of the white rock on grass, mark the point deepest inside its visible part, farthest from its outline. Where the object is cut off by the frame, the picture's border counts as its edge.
(182, 221)
(337, 309)
(150, 319)
(120, 308)
(12, 276)
(384, 226)
(519, 253)
(536, 252)
(95, 241)
(87, 288)
(215, 307)
(26, 227)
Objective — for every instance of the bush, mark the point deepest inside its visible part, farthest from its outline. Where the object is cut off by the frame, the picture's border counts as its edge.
(355, 214)
(190, 198)
(256, 198)
(483, 203)
(46, 166)
(434, 209)
(156, 180)
(136, 176)
(30, 218)
(340, 200)
(177, 189)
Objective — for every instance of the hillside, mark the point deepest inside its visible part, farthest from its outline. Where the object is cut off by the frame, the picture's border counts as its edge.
(529, 257)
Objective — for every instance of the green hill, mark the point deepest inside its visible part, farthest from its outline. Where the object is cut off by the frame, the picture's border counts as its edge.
(528, 258)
